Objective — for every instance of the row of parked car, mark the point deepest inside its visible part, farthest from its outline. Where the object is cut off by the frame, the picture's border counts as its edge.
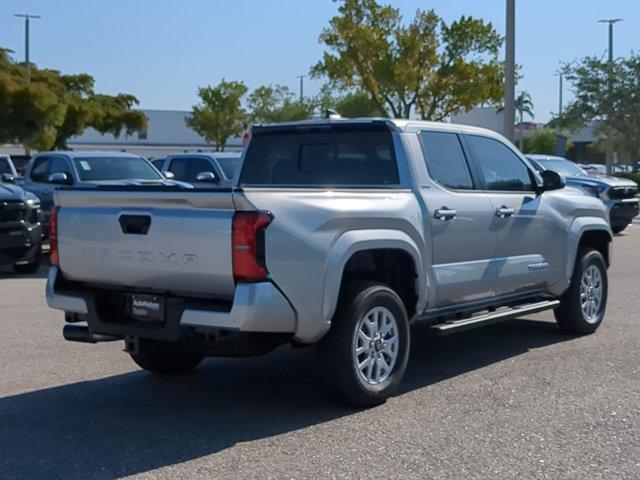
(26, 200)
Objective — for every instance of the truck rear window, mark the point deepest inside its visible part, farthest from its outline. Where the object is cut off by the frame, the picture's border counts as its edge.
(321, 158)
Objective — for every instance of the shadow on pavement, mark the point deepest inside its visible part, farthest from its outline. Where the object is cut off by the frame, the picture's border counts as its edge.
(135, 422)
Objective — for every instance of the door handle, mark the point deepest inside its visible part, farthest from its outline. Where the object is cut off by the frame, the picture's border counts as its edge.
(445, 213)
(504, 211)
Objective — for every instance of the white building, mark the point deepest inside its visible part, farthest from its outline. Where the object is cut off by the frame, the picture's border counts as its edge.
(167, 132)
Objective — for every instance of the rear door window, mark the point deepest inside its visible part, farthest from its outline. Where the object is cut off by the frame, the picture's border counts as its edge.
(446, 161)
(356, 157)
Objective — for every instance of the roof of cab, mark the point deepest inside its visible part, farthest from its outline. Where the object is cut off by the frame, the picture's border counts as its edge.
(400, 125)
(88, 153)
(542, 156)
(206, 154)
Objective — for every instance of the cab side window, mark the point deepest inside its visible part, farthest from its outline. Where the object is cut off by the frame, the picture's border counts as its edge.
(40, 170)
(180, 169)
(501, 168)
(59, 165)
(446, 161)
(199, 165)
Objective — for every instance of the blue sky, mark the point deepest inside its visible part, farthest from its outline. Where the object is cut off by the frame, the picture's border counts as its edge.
(162, 50)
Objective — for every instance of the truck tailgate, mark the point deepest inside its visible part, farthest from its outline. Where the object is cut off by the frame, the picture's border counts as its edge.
(164, 240)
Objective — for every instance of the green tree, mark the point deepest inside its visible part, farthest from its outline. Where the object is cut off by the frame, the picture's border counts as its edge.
(104, 113)
(44, 112)
(609, 93)
(425, 67)
(220, 114)
(276, 103)
(350, 104)
(30, 113)
(543, 140)
(523, 105)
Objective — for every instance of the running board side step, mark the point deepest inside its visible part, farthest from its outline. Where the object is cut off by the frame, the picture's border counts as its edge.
(494, 317)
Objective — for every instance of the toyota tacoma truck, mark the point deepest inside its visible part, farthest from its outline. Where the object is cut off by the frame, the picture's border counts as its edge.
(338, 233)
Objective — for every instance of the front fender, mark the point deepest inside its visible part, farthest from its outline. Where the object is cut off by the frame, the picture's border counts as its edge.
(358, 240)
(579, 227)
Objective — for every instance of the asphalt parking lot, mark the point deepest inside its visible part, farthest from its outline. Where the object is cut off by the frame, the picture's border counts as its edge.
(516, 400)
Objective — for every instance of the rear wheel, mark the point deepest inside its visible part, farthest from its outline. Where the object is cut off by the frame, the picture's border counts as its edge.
(583, 305)
(364, 354)
(618, 228)
(165, 361)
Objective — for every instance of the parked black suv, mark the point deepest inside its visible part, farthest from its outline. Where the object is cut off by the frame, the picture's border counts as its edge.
(20, 227)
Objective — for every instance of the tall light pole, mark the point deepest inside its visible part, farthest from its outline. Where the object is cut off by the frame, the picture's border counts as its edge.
(509, 112)
(301, 77)
(559, 74)
(611, 22)
(27, 62)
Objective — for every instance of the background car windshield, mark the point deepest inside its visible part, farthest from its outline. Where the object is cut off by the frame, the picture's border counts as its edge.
(114, 168)
(561, 166)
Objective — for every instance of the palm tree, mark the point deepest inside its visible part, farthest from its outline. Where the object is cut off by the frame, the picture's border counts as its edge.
(523, 105)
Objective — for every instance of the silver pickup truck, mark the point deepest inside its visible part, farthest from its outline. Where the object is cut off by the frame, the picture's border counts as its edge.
(339, 233)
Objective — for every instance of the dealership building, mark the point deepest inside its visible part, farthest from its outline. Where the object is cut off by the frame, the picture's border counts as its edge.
(166, 133)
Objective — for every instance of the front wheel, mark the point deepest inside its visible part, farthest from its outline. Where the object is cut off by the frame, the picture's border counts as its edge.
(364, 355)
(583, 305)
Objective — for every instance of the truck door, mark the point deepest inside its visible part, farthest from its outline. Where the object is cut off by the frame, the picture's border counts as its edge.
(461, 222)
(530, 233)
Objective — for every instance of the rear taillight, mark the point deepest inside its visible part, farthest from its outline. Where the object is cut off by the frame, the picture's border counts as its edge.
(53, 237)
(247, 243)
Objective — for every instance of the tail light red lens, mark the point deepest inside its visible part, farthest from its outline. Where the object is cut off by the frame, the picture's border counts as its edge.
(53, 237)
(247, 243)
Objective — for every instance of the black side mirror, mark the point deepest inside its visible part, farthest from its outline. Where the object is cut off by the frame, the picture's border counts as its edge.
(8, 178)
(209, 177)
(60, 178)
(551, 180)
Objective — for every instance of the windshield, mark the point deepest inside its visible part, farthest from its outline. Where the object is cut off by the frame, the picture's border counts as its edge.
(91, 169)
(561, 166)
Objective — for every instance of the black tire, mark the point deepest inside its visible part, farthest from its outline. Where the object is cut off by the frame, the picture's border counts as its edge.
(618, 228)
(337, 357)
(163, 361)
(31, 267)
(570, 315)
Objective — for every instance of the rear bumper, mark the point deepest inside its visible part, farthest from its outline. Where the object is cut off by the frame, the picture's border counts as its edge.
(256, 307)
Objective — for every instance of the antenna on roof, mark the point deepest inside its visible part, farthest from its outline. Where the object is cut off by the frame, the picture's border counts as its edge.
(330, 113)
